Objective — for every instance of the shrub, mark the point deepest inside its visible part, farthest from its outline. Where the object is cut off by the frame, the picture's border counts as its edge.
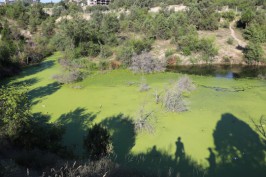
(97, 142)
(140, 45)
(103, 65)
(230, 15)
(230, 41)
(125, 54)
(145, 63)
(169, 52)
(173, 101)
(133, 46)
(143, 122)
(185, 84)
(208, 49)
(253, 53)
(144, 86)
(225, 24)
(106, 52)
(69, 77)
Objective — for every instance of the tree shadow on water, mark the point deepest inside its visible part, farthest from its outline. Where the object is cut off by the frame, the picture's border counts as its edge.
(154, 162)
(36, 94)
(240, 151)
(27, 82)
(37, 68)
(76, 124)
(123, 135)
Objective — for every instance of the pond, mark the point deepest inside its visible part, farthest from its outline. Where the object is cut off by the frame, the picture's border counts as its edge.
(224, 71)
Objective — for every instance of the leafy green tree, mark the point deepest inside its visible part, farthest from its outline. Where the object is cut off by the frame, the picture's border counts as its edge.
(14, 112)
(254, 53)
(255, 33)
(209, 51)
(6, 32)
(246, 17)
(20, 127)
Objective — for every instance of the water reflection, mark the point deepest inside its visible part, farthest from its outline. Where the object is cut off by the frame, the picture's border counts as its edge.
(221, 71)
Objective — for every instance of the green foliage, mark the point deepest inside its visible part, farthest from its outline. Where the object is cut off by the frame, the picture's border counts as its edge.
(188, 43)
(14, 111)
(36, 16)
(230, 41)
(247, 16)
(103, 65)
(255, 33)
(203, 15)
(97, 142)
(169, 52)
(254, 53)
(134, 46)
(208, 50)
(106, 52)
(48, 27)
(229, 15)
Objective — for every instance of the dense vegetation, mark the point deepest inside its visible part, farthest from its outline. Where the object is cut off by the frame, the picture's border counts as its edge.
(29, 34)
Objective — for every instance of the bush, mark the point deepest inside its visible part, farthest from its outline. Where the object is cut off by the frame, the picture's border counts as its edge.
(225, 24)
(97, 142)
(144, 121)
(230, 15)
(254, 53)
(69, 77)
(103, 65)
(230, 41)
(140, 45)
(145, 63)
(97, 168)
(173, 101)
(106, 52)
(125, 54)
(185, 84)
(208, 49)
(144, 86)
(169, 52)
(131, 47)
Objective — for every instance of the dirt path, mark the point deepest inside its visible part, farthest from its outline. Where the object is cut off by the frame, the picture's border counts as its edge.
(233, 34)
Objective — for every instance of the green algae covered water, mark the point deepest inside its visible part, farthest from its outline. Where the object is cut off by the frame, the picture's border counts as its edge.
(215, 136)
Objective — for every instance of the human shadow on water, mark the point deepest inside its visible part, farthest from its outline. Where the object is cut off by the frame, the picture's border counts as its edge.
(36, 94)
(76, 124)
(212, 163)
(180, 150)
(240, 150)
(152, 163)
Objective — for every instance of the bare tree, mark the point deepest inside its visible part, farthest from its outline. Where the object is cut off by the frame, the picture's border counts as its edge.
(173, 101)
(69, 77)
(143, 85)
(144, 121)
(185, 84)
(146, 63)
(157, 96)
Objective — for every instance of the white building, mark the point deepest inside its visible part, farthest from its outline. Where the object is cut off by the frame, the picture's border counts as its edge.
(100, 2)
